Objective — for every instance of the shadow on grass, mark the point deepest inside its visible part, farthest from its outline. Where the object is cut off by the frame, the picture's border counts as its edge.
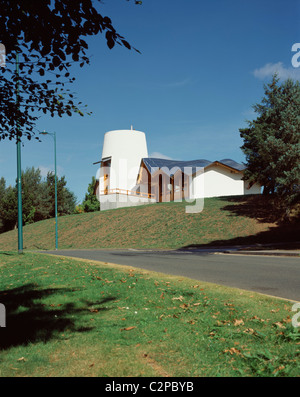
(279, 235)
(29, 320)
(257, 207)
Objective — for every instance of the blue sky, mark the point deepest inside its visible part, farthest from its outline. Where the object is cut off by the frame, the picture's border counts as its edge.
(202, 66)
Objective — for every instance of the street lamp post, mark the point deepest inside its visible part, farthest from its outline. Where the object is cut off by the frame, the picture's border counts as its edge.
(55, 176)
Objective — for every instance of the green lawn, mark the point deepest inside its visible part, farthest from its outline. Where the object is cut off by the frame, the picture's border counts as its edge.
(230, 220)
(69, 317)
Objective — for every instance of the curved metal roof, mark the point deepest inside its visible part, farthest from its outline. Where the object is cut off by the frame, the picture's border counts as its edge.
(233, 164)
(188, 167)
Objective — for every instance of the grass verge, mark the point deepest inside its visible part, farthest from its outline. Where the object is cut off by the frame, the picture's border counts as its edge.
(69, 317)
(224, 221)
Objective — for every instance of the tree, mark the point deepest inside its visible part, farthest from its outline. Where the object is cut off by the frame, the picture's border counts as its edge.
(49, 37)
(38, 199)
(272, 144)
(91, 202)
(31, 191)
(9, 209)
(66, 200)
(2, 193)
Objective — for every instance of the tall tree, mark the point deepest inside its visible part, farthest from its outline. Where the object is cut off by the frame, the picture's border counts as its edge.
(91, 202)
(49, 36)
(2, 187)
(272, 144)
(66, 200)
(31, 190)
(9, 208)
(2, 193)
(38, 199)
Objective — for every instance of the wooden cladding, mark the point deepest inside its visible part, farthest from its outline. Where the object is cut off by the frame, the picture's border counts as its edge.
(126, 192)
(164, 187)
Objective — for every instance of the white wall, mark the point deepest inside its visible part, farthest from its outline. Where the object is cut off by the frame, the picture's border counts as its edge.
(255, 189)
(219, 181)
(115, 200)
(126, 148)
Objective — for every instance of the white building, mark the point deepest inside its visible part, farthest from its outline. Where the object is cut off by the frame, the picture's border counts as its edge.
(129, 177)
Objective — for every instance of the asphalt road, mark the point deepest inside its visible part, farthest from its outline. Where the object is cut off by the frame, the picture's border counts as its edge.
(271, 275)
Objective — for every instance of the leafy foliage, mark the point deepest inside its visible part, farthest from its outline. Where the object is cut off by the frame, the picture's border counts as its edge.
(47, 37)
(272, 144)
(38, 199)
(9, 209)
(65, 199)
(91, 202)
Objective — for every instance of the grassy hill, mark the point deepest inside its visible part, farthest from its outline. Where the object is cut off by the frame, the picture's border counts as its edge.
(230, 220)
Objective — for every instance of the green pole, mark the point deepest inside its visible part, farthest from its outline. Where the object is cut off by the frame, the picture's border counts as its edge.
(19, 171)
(56, 229)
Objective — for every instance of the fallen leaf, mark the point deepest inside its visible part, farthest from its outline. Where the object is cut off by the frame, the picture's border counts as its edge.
(238, 322)
(250, 331)
(280, 325)
(127, 329)
(180, 298)
(232, 351)
(279, 369)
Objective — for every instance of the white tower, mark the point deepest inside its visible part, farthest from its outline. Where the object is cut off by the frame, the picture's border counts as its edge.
(122, 153)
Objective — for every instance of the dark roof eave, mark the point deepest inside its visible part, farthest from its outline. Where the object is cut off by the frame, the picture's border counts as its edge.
(180, 165)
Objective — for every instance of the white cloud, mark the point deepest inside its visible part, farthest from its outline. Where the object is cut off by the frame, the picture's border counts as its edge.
(283, 72)
(160, 156)
(44, 170)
